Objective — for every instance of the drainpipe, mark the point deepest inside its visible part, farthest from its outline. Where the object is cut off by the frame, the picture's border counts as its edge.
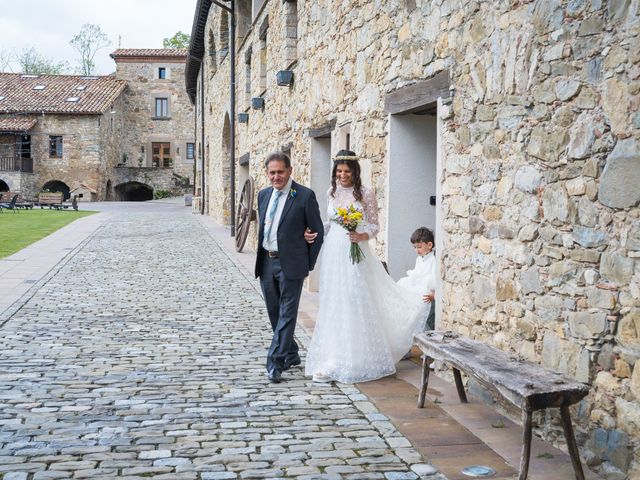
(202, 147)
(232, 99)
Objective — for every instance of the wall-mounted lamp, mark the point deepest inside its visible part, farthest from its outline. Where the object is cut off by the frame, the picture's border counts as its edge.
(284, 78)
(257, 103)
(243, 117)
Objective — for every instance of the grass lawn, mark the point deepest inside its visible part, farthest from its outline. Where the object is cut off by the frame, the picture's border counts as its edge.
(18, 230)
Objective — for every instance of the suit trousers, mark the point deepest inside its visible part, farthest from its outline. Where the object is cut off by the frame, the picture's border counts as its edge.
(282, 297)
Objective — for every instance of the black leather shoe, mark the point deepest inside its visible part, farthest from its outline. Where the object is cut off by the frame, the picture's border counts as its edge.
(275, 376)
(293, 363)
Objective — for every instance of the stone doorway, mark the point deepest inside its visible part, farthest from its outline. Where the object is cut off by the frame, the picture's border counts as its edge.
(320, 180)
(57, 186)
(412, 182)
(133, 192)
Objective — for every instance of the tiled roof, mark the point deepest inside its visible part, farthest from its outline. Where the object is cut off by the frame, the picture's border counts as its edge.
(16, 124)
(57, 93)
(149, 52)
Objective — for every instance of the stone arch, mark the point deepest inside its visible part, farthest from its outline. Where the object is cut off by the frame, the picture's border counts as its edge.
(4, 186)
(223, 33)
(133, 192)
(225, 167)
(211, 51)
(57, 186)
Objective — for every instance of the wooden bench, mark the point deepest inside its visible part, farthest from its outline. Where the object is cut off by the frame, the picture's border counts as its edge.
(6, 197)
(526, 385)
(53, 200)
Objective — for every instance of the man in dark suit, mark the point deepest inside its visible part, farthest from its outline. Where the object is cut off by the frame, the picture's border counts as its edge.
(286, 210)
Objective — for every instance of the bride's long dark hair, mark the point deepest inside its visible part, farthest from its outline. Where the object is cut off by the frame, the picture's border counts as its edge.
(354, 166)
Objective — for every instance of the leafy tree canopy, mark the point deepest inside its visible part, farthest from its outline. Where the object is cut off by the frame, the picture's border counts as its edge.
(33, 63)
(179, 40)
(87, 42)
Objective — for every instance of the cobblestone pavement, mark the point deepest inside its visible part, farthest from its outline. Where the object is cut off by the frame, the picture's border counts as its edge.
(142, 357)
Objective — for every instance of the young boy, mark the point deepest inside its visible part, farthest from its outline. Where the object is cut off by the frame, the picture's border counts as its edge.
(422, 279)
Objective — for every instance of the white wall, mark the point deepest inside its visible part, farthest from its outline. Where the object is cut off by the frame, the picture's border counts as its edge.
(411, 181)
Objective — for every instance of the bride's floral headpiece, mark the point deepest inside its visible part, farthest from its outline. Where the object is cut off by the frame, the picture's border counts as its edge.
(346, 157)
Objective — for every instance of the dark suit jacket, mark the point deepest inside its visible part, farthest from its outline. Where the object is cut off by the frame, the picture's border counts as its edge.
(301, 211)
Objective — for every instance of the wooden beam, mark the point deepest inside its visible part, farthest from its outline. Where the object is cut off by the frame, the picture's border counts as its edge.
(418, 96)
(323, 131)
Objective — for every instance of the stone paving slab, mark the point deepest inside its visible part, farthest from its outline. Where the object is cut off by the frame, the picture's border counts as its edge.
(142, 357)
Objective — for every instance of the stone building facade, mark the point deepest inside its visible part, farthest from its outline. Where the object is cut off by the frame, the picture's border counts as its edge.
(101, 138)
(158, 115)
(58, 132)
(511, 128)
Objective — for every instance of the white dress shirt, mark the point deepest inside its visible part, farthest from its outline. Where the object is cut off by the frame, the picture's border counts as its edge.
(271, 244)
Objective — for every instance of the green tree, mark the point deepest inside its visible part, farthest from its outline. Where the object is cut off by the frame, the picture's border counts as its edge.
(179, 40)
(32, 63)
(87, 42)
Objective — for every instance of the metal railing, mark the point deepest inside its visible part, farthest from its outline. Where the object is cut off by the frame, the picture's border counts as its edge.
(16, 164)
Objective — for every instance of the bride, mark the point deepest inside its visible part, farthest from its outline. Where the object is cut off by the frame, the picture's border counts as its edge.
(365, 321)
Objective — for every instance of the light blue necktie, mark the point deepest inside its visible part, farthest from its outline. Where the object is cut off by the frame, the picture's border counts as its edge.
(272, 214)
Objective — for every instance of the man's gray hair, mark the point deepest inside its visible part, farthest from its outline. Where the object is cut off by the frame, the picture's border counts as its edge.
(280, 156)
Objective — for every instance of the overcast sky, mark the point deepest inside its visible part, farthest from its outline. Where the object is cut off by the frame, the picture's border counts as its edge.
(49, 25)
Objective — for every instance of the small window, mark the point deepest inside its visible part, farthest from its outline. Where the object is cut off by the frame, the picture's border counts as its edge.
(81, 88)
(55, 146)
(191, 151)
(73, 99)
(162, 72)
(162, 107)
(2, 97)
(39, 87)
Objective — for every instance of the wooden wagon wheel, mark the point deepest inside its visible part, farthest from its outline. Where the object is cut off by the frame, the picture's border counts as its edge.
(245, 213)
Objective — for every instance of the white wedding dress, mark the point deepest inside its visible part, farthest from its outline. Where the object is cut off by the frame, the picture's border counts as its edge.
(365, 322)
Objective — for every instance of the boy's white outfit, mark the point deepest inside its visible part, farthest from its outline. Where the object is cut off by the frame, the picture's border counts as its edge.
(422, 279)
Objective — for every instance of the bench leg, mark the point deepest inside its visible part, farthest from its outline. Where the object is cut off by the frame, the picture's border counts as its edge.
(459, 386)
(571, 442)
(526, 445)
(426, 365)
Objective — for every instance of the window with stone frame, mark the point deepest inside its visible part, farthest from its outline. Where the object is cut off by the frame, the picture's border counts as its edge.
(247, 74)
(243, 19)
(211, 50)
(161, 155)
(162, 73)
(55, 146)
(224, 34)
(162, 107)
(191, 151)
(262, 35)
(291, 31)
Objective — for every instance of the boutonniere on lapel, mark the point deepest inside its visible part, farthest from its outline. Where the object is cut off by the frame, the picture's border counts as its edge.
(292, 193)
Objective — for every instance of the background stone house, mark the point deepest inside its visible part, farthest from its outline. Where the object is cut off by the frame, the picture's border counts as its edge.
(115, 137)
(57, 132)
(158, 138)
(510, 128)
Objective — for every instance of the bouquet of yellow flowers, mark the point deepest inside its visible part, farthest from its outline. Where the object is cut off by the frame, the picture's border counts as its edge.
(349, 218)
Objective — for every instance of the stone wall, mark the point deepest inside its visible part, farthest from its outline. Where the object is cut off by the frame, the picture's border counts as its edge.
(81, 160)
(142, 127)
(539, 155)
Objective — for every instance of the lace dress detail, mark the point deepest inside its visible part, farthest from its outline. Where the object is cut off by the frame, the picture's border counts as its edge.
(366, 322)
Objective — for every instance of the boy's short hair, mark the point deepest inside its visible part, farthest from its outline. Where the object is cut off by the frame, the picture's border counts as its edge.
(422, 234)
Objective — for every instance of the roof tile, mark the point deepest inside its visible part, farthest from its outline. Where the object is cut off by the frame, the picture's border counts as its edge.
(20, 96)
